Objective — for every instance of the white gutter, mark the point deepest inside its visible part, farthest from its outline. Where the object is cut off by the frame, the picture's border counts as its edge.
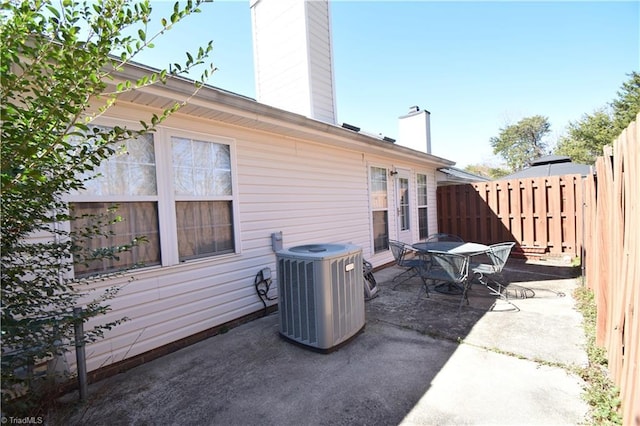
(179, 89)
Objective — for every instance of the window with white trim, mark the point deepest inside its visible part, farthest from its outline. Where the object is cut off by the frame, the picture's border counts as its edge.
(122, 202)
(203, 194)
(403, 203)
(379, 209)
(189, 216)
(422, 189)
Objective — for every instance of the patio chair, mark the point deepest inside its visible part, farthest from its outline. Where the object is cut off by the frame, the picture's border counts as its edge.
(449, 268)
(439, 237)
(487, 273)
(443, 237)
(407, 259)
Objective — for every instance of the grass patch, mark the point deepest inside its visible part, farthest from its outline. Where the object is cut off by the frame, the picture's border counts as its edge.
(601, 394)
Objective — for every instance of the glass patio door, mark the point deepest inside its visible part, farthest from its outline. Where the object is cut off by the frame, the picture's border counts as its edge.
(403, 206)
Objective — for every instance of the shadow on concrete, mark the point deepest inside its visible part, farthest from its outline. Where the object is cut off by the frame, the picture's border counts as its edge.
(250, 376)
(439, 315)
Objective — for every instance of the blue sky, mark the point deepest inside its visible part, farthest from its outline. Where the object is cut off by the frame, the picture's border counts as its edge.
(476, 66)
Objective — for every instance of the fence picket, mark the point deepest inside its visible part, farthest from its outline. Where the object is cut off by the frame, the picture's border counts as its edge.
(596, 218)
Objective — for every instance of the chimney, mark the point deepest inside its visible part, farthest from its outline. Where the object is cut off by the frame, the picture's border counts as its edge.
(414, 130)
(293, 56)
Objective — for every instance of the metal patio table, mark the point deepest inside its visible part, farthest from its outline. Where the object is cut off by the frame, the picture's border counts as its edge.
(456, 247)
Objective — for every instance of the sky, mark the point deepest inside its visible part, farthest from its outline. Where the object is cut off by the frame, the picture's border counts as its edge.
(476, 66)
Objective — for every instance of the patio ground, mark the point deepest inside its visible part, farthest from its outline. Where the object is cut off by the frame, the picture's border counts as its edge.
(417, 363)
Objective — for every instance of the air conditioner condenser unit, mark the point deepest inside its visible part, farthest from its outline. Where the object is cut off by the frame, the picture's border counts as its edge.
(321, 302)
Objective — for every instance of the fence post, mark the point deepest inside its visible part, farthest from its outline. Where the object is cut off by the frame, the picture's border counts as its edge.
(81, 359)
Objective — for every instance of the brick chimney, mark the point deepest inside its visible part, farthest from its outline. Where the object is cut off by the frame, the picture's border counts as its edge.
(293, 56)
(414, 130)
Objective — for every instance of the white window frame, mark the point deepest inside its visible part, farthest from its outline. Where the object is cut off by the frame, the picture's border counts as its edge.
(167, 214)
(422, 206)
(373, 209)
(165, 197)
(84, 197)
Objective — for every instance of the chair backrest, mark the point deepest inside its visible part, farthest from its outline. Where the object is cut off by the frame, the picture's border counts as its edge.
(456, 266)
(398, 250)
(443, 237)
(499, 254)
(370, 283)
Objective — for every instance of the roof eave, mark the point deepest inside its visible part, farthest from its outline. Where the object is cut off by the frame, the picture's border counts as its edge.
(236, 109)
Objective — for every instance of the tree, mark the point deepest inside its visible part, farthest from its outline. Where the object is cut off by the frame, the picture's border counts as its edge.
(487, 171)
(587, 136)
(57, 67)
(520, 143)
(627, 106)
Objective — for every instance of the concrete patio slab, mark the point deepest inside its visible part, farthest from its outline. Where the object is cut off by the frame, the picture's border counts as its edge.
(418, 362)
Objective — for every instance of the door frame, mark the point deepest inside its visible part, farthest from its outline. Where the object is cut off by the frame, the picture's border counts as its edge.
(403, 205)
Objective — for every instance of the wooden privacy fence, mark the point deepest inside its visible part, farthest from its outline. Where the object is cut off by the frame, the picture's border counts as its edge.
(612, 257)
(542, 215)
(597, 217)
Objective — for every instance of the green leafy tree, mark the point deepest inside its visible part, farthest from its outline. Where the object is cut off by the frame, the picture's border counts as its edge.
(519, 144)
(627, 106)
(586, 137)
(487, 171)
(58, 62)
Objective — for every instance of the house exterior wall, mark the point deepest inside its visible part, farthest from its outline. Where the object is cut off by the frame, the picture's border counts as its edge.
(310, 191)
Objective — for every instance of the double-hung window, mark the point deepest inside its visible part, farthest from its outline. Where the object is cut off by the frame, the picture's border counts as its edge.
(423, 223)
(203, 197)
(379, 209)
(121, 202)
(176, 192)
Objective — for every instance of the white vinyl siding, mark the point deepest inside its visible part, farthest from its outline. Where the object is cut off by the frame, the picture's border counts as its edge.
(309, 193)
(308, 189)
